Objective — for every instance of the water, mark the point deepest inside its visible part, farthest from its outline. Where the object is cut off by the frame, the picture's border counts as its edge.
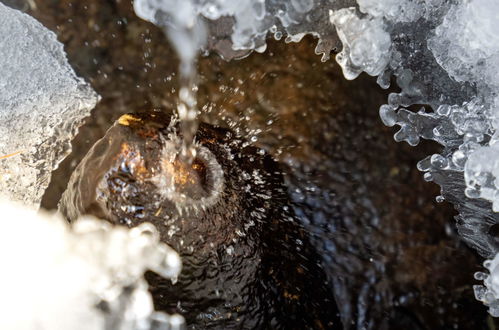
(228, 279)
(188, 116)
(187, 33)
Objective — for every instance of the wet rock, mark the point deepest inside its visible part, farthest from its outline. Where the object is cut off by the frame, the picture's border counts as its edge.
(246, 261)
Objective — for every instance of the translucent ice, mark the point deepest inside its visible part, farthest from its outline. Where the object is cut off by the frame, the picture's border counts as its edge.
(366, 45)
(466, 44)
(445, 54)
(42, 103)
(237, 27)
(87, 276)
(488, 293)
(399, 10)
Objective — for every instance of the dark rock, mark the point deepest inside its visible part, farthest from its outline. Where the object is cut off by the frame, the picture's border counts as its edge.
(246, 261)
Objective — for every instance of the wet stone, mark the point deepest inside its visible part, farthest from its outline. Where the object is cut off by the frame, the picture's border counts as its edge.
(247, 263)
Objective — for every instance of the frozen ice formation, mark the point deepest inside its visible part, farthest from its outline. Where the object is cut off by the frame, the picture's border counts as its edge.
(447, 60)
(366, 45)
(42, 103)
(443, 54)
(184, 27)
(466, 44)
(237, 27)
(88, 276)
(399, 10)
(488, 293)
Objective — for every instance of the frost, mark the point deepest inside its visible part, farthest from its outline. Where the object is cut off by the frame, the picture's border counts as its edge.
(235, 28)
(88, 276)
(42, 103)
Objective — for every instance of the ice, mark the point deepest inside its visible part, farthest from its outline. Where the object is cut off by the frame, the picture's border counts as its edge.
(466, 44)
(88, 276)
(445, 54)
(366, 45)
(236, 28)
(488, 293)
(42, 104)
(399, 10)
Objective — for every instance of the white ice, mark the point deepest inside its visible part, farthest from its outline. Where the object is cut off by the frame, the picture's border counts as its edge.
(366, 45)
(88, 276)
(42, 103)
(488, 293)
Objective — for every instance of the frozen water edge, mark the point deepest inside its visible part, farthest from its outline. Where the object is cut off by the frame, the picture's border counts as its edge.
(488, 293)
(42, 104)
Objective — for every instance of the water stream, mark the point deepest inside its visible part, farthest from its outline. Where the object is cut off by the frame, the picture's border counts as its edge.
(187, 33)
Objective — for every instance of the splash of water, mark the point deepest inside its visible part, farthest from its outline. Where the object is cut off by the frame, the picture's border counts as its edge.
(187, 113)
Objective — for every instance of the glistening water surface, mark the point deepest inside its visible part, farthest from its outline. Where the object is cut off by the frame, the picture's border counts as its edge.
(389, 251)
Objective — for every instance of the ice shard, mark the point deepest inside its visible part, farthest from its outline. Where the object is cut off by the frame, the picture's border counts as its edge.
(42, 104)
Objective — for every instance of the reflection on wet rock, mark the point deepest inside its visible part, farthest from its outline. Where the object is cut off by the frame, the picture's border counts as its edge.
(246, 261)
